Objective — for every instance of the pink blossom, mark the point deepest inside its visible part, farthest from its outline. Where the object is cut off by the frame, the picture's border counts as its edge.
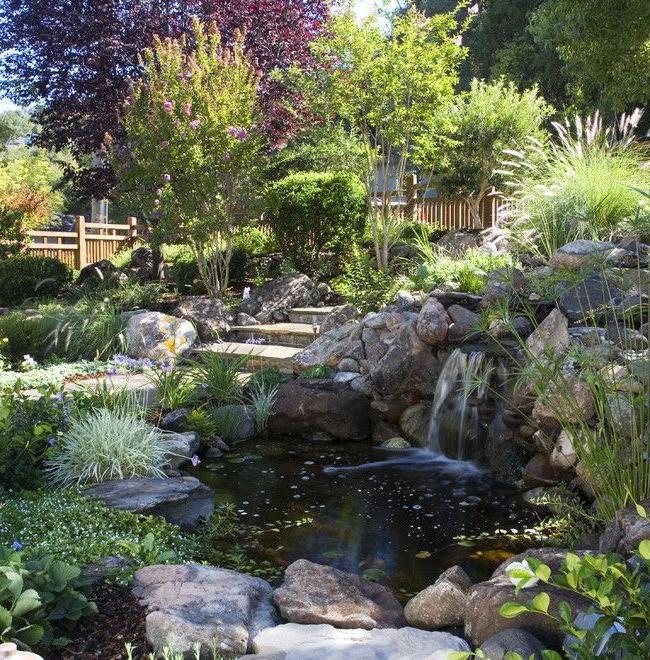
(187, 109)
(196, 460)
(168, 106)
(195, 123)
(167, 177)
(159, 192)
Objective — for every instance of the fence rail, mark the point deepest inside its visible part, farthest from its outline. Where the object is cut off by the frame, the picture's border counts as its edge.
(88, 243)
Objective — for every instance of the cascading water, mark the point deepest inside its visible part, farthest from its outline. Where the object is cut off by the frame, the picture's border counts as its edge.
(463, 376)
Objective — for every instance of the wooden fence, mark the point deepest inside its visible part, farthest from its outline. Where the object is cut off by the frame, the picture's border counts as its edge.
(89, 242)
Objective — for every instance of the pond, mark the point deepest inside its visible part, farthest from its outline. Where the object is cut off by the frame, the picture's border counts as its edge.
(389, 515)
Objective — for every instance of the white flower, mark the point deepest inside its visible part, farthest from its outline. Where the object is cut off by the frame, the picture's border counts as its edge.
(521, 574)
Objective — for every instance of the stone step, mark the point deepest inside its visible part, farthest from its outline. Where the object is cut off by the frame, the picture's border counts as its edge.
(313, 315)
(264, 355)
(282, 334)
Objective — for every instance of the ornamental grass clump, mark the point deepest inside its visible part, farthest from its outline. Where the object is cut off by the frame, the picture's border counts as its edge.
(583, 185)
(106, 445)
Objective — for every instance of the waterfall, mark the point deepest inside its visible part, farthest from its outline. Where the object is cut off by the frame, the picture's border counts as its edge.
(462, 376)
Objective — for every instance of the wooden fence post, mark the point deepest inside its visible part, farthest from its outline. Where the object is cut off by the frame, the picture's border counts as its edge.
(410, 208)
(133, 226)
(81, 260)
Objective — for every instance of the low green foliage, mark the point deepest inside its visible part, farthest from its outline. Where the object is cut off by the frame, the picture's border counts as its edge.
(37, 595)
(81, 530)
(365, 287)
(201, 421)
(310, 212)
(271, 375)
(24, 277)
(227, 421)
(318, 371)
(219, 376)
(468, 271)
(105, 445)
(52, 375)
(175, 387)
(618, 591)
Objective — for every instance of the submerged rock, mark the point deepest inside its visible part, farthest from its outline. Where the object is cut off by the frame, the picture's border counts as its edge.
(396, 443)
(323, 642)
(214, 607)
(312, 593)
(182, 501)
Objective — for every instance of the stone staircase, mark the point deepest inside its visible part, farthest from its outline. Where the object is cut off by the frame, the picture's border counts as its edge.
(281, 340)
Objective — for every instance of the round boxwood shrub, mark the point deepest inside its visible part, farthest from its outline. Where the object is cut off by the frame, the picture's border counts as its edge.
(25, 276)
(310, 212)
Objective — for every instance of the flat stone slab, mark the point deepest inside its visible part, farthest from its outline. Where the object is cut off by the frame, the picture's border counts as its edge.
(217, 608)
(312, 593)
(262, 355)
(182, 501)
(323, 642)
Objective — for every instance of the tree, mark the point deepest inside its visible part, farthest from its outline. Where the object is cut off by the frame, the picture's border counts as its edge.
(14, 125)
(29, 194)
(486, 120)
(75, 57)
(604, 46)
(193, 146)
(388, 88)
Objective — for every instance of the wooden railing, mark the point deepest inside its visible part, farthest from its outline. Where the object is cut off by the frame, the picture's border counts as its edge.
(89, 242)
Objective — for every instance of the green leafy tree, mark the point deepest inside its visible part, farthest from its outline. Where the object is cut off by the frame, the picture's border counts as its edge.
(486, 120)
(388, 88)
(194, 146)
(14, 125)
(605, 48)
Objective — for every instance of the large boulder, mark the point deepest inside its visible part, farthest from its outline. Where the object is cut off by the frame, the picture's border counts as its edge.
(214, 607)
(322, 642)
(272, 301)
(442, 604)
(594, 297)
(433, 322)
(312, 593)
(101, 272)
(550, 337)
(512, 640)
(242, 418)
(210, 316)
(158, 336)
(329, 349)
(307, 405)
(458, 242)
(414, 423)
(339, 316)
(182, 501)
(581, 254)
(626, 531)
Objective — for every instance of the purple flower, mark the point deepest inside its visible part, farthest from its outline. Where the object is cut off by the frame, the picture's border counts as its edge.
(164, 144)
(156, 202)
(159, 192)
(51, 441)
(167, 177)
(17, 546)
(196, 460)
(187, 109)
(232, 131)
(168, 106)
(195, 123)
(226, 156)
(155, 214)
(237, 132)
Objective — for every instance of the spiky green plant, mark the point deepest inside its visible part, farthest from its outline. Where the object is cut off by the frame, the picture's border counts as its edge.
(584, 184)
(175, 387)
(219, 375)
(262, 397)
(104, 445)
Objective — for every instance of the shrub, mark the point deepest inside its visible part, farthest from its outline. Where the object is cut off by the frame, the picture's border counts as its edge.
(365, 287)
(174, 387)
(200, 421)
(37, 594)
(23, 277)
(81, 530)
(584, 185)
(310, 212)
(255, 241)
(19, 331)
(105, 445)
(268, 376)
(619, 594)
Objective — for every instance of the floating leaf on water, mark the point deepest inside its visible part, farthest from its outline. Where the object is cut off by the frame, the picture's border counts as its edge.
(466, 543)
(423, 554)
(374, 574)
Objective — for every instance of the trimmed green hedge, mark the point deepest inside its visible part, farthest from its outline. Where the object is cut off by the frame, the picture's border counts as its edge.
(25, 277)
(310, 212)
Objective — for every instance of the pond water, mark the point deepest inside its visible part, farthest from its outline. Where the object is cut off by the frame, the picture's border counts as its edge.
(390, 515)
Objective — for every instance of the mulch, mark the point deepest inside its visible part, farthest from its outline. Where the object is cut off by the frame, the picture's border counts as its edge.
(120, 619)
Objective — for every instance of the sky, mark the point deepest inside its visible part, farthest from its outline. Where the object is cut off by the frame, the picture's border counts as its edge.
(363, 9)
